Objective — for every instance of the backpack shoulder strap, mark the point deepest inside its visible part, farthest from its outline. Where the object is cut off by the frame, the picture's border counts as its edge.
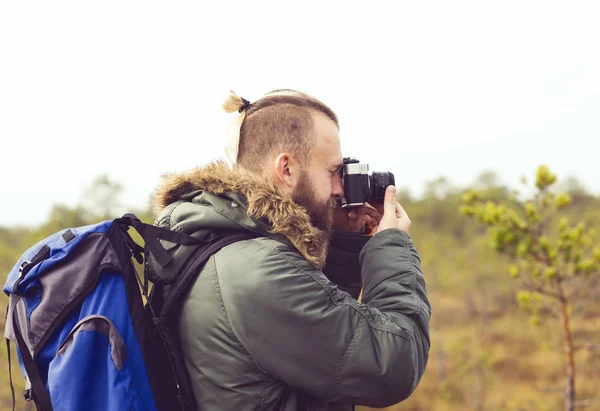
(152, 234)
(38, 391)
(163, 305)
(201, 256)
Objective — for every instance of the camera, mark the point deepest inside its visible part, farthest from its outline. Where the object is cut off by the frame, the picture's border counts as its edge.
(359, 186)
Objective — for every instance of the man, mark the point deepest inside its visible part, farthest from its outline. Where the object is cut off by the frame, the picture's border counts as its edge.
(273, 323)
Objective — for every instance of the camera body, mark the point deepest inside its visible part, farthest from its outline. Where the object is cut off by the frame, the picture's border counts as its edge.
(360, 186)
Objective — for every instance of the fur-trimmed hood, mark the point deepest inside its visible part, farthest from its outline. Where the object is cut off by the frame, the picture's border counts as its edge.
(263, 201)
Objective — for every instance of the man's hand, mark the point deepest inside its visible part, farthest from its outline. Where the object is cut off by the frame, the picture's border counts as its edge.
(394, 215)
(353, 220)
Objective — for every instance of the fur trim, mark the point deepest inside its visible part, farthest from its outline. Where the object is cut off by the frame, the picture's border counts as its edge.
(265, 201)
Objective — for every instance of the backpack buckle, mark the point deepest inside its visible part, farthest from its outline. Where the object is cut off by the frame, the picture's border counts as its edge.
(22, 268)
(27, 393)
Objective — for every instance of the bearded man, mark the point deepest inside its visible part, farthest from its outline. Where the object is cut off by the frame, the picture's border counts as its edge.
(273, 322)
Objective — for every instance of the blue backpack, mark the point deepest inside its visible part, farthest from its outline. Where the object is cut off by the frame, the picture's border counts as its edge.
(89, 335)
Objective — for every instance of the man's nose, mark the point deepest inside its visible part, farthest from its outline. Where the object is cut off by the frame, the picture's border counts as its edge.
(338, 188)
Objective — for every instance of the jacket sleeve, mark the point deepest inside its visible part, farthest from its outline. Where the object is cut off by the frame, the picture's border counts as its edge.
(342, 266)
(304, 331)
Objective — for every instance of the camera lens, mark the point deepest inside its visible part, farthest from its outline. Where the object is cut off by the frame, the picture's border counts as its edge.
(380, 180)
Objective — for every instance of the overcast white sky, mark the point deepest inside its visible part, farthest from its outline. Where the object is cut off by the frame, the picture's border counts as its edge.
(134, 88)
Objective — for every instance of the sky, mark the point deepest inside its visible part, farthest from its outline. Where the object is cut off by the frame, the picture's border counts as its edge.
(133, 89)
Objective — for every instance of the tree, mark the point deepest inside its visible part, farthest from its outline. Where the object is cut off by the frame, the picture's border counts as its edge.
(555, 260)
(487, 180)
(438, 188)
(101, 200)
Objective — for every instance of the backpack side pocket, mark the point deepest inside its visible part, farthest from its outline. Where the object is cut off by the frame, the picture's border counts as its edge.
(88, 369)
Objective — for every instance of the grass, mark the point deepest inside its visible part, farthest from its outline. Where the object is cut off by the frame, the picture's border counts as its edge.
(502, 362)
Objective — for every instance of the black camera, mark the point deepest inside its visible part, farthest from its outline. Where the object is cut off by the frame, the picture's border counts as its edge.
(359, 186)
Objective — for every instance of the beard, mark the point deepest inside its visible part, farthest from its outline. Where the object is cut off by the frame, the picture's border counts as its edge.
(320, 213)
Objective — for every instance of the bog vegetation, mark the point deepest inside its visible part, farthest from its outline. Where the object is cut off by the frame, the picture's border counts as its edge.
(513, 279)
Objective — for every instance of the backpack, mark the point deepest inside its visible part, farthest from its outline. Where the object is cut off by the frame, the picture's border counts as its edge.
(88, 333)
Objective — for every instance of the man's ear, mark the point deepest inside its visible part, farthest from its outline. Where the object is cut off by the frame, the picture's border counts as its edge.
(287, 172)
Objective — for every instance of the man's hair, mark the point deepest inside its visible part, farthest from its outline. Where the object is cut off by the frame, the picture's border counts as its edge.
(277, 122)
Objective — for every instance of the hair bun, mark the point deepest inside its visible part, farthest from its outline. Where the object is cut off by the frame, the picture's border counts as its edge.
(234, 103)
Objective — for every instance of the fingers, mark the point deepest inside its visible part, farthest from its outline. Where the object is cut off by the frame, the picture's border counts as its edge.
(394, 215)
(390, 203)
(403, 217)
(364, 211)
(376, 205)
(365, 216)
(371, 222)
(370, 212)
(400, 212)
(362, 220)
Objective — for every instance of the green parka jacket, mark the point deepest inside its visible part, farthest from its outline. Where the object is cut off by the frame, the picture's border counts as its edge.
(273, 323)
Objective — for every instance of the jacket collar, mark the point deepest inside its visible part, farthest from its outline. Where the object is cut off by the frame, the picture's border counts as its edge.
(264, 202)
